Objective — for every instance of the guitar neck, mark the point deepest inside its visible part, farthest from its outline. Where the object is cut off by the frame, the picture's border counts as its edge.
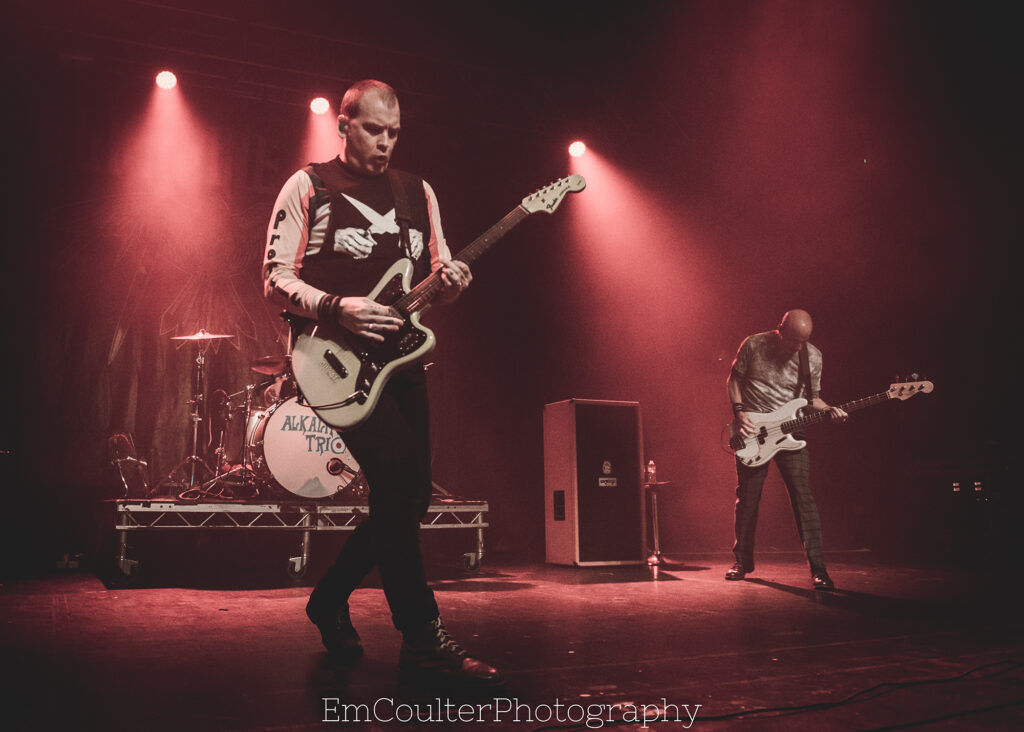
(426, 291)
(799, 423)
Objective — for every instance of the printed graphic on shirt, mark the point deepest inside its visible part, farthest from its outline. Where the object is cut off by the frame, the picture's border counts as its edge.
(360, 242)
(357, 243)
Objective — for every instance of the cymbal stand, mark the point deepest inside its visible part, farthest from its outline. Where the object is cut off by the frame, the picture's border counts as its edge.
(193, 463)
(245, 472)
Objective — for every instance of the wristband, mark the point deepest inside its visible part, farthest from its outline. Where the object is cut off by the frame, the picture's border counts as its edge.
(328, 307)
(738, 407)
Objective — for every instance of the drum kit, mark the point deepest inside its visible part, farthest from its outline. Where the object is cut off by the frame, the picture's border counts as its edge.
(267, 442)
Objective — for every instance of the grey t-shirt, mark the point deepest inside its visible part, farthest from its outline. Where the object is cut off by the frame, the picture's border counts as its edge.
(768, 381)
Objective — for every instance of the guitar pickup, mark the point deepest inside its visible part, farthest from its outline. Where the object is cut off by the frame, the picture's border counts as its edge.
(335, 364)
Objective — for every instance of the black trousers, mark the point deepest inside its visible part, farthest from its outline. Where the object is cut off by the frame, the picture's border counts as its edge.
(393, 449)
(795, 467)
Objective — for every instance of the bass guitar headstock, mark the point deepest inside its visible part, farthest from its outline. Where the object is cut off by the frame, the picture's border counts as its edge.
(907, 389)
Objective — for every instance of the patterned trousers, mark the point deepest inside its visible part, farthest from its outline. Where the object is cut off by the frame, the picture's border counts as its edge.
(795, 467)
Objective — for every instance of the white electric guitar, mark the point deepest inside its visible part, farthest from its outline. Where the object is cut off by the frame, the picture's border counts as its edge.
(341, 375)
(774, 429)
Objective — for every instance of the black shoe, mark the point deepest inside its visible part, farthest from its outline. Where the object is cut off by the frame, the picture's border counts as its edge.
(736, 572)
(821, 580)
(429, 657)
(337, 633)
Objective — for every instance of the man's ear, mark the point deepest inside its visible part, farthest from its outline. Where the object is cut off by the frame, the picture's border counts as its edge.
(342, 125)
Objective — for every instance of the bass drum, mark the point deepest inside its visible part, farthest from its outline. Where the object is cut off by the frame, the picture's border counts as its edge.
(293, 448)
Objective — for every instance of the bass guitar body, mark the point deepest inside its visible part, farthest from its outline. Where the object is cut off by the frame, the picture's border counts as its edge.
(762, 445)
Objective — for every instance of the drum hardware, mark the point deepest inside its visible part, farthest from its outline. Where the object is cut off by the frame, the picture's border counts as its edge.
(271, 365)
(231, 481)
(270, 444)
(131, 469)
(193, 465)
(337, 467)
(279, 389)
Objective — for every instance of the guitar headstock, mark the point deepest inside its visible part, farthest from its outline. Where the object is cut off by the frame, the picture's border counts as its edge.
(550, 196)
(907, 389)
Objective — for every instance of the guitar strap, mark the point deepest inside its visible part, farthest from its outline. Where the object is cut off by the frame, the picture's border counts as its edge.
(804, 379)
(403, 215)
(805, 375)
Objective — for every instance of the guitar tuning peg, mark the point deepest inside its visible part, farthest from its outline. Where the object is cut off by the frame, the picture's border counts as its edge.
(914, 377)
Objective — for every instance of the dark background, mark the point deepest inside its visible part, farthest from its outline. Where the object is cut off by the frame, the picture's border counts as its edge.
(858, 160)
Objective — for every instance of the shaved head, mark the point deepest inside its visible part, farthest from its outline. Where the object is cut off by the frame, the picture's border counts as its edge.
(796, 325)
(366, 88)
(793, 331)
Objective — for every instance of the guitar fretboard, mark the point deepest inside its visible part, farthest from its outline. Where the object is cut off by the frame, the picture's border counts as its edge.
(424, 293)
(815, 417)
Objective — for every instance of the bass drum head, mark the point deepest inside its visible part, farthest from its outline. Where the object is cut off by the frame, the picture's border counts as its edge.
(302, 454)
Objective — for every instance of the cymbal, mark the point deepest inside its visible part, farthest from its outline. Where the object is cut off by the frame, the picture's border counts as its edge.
(270, 365)
(201, 335)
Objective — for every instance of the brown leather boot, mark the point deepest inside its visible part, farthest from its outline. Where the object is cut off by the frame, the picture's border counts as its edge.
(430, 657)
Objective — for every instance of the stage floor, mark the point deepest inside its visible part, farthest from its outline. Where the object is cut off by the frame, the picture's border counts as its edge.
(572, 643)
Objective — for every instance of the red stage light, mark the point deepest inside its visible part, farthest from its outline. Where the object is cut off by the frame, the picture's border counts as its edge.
(577, 148)
(319, 105)
(166, 80)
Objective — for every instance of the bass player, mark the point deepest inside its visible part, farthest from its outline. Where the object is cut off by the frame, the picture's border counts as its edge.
(771, 369)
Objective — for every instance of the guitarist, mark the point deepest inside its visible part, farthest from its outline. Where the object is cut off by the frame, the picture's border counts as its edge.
(770, 370)
(337, 227)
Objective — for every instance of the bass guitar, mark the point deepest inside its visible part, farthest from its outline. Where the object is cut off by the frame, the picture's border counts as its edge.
(341, 375)
(775, 429)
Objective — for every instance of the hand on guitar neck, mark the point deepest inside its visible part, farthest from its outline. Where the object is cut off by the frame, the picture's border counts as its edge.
(457, 276)
(374, 321)
(837, 414)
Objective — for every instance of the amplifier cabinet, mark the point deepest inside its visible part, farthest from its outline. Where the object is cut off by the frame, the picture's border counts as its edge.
(593, 483)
